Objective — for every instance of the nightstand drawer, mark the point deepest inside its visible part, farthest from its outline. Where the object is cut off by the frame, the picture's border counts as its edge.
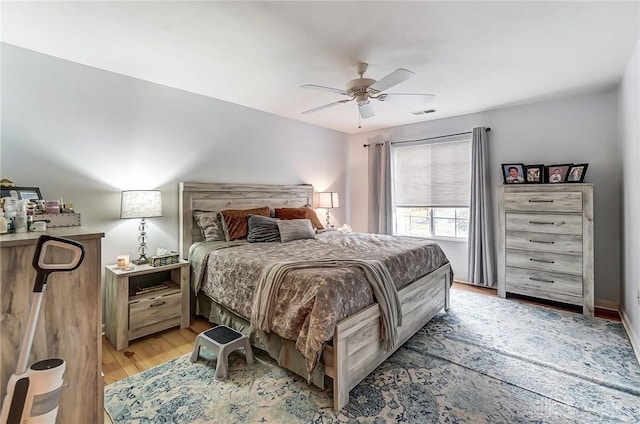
(545, 261)
(544, 223)
(544, 242)
(154, 310)
(543, 202)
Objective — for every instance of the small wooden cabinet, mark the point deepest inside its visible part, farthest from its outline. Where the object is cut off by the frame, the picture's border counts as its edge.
(545, 242)
(137, 307)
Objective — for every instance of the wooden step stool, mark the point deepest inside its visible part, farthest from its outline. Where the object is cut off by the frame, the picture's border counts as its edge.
(222, 340)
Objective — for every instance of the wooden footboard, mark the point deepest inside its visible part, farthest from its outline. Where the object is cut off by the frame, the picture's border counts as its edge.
(356, 349)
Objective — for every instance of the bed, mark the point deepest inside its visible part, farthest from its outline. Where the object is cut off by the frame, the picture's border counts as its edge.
(359, 338)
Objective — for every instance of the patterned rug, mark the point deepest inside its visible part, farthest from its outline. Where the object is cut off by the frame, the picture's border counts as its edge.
(488, 360)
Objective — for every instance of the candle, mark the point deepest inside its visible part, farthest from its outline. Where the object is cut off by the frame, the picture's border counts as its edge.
(123, 261)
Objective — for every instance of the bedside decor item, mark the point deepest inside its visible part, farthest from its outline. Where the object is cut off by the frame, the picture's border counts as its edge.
(534, 174)
(513, 173)
(141, 204)
(123, 261)
(576, 173)
(165, 259)
(557, 173)
(328, 200)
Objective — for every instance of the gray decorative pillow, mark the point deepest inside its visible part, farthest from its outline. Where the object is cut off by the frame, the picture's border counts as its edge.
(262, 229)
(210, 225)
(295, 229)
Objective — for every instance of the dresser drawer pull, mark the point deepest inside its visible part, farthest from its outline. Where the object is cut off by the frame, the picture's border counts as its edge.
(540, 201)
(541, 280)
(158, 304)
(541, 223)
(542, 260)
(542, 241)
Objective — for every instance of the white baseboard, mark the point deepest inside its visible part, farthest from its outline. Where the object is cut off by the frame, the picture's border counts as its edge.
(633, 337)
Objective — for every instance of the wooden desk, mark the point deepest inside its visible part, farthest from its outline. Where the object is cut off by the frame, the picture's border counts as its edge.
(69, 325)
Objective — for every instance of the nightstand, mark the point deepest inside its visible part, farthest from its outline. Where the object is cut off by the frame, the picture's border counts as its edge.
(145, 300)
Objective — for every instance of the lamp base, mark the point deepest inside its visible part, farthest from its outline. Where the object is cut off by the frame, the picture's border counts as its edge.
(142, 260)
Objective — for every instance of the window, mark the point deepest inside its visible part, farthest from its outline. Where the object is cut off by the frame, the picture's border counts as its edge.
(431, 184)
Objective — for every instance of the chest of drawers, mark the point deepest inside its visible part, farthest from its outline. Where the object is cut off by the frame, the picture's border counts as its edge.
(545, 242)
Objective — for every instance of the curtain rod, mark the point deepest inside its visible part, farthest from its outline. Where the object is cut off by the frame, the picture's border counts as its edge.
(429, 138)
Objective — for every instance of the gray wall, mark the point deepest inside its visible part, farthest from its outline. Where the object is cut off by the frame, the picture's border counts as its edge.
(575, 129)
(630, 136)
(84, 134)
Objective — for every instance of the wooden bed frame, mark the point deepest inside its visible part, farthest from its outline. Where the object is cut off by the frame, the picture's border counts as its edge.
(356, 350)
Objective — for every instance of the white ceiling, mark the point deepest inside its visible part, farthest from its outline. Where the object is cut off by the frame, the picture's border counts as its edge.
(474, 56)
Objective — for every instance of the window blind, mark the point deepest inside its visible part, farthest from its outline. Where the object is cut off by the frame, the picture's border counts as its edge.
(432, 175)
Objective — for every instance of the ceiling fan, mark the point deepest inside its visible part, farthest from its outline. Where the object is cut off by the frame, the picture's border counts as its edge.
(362, 90)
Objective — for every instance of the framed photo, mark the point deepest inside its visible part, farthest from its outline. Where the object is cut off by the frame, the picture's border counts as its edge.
(534, 174)
(576, 173)
(22, 193)
(557, 173)
(513, 173)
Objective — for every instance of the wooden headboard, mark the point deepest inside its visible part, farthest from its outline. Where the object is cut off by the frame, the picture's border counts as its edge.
(219, 196)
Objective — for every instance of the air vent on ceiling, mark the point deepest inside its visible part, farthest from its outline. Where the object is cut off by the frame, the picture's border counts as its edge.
(423, 112)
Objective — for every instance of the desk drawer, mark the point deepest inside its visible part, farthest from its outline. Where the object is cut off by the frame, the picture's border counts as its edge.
(545, 261)
(149, 311)
(544, 242)
(533, 283)
(543, 202)
(544, 223)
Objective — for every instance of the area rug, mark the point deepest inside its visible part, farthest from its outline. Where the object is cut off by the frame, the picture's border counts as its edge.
(488, 360)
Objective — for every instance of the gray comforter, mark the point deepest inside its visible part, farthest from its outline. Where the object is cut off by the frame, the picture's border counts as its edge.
(311, 301)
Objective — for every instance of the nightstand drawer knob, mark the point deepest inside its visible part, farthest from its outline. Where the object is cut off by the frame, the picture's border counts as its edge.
(163, 302)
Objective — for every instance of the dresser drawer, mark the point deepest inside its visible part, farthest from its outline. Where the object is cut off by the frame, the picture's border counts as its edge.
(533, 283)
(544, 261)
(543, 202)
(150, 311)
(544, 223)
(545, 242)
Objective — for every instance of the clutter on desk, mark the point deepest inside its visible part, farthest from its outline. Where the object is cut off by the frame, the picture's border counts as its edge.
(23, 209)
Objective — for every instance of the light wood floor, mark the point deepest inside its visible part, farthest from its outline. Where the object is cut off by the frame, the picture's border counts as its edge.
(147, 352)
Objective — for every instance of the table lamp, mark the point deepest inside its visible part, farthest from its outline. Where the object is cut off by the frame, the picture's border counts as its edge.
(141, 204)
(328, 200)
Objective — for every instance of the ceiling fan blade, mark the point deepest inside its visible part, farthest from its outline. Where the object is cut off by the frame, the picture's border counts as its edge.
(366, 110)
(306, 112)
(391, 96)
(323, 88)
(395, 77)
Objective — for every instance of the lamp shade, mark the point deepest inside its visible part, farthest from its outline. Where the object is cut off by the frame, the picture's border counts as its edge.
(328, 200)
(141, 204)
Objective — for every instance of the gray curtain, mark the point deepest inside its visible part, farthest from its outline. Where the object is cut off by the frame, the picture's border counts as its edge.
(482, 269)
(380, 214)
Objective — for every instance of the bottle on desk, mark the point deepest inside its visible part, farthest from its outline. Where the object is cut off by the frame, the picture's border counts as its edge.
(4, 224)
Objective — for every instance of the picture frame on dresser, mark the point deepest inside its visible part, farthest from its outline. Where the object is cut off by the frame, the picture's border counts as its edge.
(22, 193)
(513, 173)
(557, 173)
(576, 173)
(534, 174)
